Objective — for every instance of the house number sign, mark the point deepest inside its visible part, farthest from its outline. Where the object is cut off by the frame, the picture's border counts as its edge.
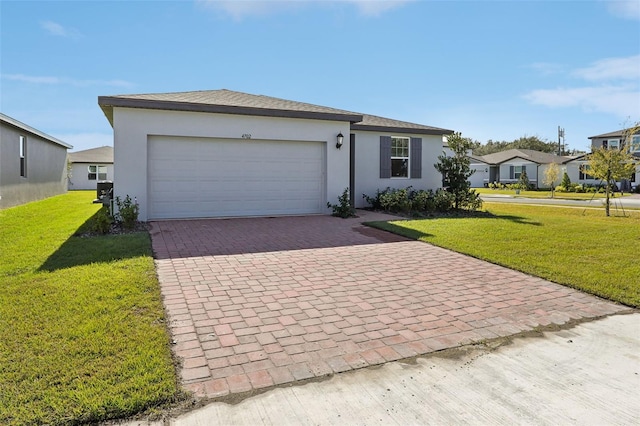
(246, 136)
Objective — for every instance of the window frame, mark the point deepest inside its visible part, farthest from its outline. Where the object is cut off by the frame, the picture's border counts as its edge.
(582, 172)
(616, 144)
(516, 173)
(634, 145)
(97, 173)
(406, 159)
(22, 142)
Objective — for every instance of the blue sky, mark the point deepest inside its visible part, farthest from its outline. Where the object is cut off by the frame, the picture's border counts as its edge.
(490, 69)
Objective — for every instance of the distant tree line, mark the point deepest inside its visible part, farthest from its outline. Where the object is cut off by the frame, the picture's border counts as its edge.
(524, 142)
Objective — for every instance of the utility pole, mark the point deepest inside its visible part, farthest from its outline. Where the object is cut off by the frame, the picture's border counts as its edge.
(560, 135)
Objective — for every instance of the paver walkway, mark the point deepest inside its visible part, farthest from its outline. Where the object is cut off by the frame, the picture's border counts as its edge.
(258, 302)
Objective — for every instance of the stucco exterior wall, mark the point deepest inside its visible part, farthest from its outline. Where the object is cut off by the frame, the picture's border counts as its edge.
(45, 167)
(367, 165)
(80, 176)
(481, 175)
(131, 128)
(531, 167)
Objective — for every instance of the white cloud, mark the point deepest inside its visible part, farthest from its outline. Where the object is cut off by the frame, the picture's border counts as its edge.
(627, 9)
(376, 7)
(239, 9)
(56, 29)
(69, 81)
(547, 68)
(610, 85)
(32, 78)
(612, 69)
(620, 100)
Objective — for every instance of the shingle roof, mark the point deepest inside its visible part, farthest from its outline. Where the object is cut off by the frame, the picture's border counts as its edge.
(5, 118)
(527, 154)
(103, 155)
(231, 102)
(225, 102)
(375, 123)
(617, 133)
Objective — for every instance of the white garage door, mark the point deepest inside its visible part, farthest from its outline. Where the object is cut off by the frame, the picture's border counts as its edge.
(202, 177)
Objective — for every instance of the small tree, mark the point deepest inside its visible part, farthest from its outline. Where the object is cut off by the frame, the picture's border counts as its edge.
(551, 176)
(566, 182)
(523, 181)
(456, 171)
(611, 165)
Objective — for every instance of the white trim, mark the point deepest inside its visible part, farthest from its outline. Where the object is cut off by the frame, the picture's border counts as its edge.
(407, 158)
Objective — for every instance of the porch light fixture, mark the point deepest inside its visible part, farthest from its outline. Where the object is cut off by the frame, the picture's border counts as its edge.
(340, 140)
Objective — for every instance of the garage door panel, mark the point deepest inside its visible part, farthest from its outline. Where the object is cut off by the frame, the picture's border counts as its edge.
(197, 177)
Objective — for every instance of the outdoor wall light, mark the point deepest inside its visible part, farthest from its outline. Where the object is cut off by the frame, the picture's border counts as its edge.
(340, 140)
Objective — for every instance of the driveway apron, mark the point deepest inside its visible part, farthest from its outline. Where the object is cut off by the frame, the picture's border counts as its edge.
(258, 302)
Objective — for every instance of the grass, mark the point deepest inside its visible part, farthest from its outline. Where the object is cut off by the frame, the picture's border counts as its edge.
(547, 194)
(579, 248)
(82, 334)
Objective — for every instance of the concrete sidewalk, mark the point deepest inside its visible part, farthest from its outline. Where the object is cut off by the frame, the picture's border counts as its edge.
(587, 375)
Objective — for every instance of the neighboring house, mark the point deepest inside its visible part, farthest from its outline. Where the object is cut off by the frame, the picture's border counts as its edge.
(90, 166)
(482, 169)
(221, 153)
(507, 166)
(578, 168)
(33, 165)
(480, 177)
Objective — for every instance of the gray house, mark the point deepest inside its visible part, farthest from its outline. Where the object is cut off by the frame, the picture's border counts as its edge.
(578, 168)
(507, 166)
(33, 165)
(90, 166)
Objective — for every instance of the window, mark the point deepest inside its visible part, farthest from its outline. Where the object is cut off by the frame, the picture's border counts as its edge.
(23, 156)
(97, 172)
(613, 144)
(399, 157)
(635, 143)
(516, 171)
(584, 172)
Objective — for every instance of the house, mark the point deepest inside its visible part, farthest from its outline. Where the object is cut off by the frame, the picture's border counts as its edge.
(90, 166)
(480, 176)
(33, 165)
(507, 166)
(578, 168)
(222, 153)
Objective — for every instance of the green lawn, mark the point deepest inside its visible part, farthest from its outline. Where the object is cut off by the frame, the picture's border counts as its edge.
(546, 194)
(575, 247)
(82, 333)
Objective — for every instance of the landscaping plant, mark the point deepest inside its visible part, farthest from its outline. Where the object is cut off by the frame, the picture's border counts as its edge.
(456, 171)
(343, 209)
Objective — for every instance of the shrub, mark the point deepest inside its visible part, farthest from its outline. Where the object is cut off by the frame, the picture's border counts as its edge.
(566, 181)
(396, 200)
(374, 201)
(422, 201)
(443, 200)
(128, 211)
(102, 221)
(343, 209)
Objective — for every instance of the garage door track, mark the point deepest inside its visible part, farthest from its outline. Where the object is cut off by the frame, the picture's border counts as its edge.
(258, 302)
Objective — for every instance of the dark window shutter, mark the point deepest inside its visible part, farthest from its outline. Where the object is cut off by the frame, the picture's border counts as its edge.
(524, 169)
(511, 172)
(605, 144)
(385, 157)
(416, 158)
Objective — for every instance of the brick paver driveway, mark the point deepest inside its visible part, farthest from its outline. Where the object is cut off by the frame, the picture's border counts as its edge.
(254, 303)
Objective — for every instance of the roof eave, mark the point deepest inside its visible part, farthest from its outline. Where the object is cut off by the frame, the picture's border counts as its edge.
(27, 128)
(107, 103)
(370, 128)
